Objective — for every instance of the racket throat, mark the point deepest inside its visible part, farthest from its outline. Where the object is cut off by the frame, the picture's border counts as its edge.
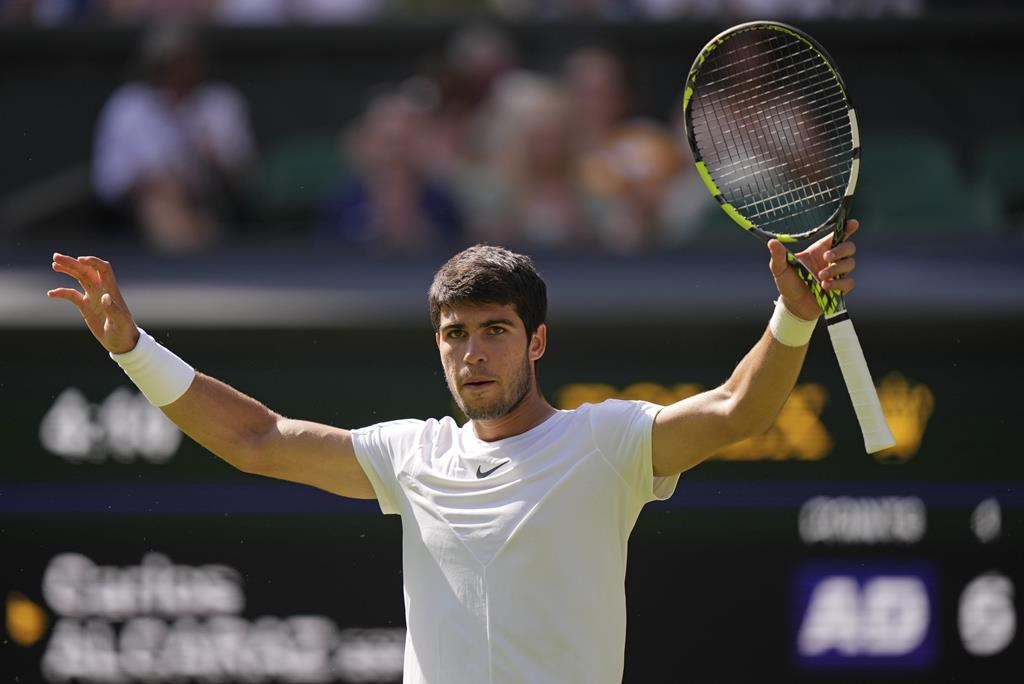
(839, 232)
(831, 303)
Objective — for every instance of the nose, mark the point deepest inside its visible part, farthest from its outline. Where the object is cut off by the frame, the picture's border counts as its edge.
(474, 351)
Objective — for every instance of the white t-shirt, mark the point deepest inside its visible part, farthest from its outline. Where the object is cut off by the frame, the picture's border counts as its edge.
(514, 551)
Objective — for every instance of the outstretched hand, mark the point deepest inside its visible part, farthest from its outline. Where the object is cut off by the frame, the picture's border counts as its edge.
(832, 267)
(100, 301)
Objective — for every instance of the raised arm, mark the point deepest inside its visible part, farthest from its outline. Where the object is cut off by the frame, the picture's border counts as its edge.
(689, 431)
(235, 427)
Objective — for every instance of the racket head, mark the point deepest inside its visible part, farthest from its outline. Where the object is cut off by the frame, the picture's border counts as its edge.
(773, 131)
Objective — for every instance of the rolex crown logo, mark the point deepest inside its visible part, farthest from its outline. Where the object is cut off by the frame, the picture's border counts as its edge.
(907, 407)
(26, 622)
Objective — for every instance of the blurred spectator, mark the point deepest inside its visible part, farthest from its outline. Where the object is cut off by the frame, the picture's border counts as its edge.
(821, 9)
(596, 81)
(622, 158)
(565, 9)
(172, 150)
(440, 8)
(525, 190)
(390, 203)
(476, 57)
(268, 12)
(265, 12)
(686, 205)
(156, 10)
(720, 9)
(299, 11)
(47, 12)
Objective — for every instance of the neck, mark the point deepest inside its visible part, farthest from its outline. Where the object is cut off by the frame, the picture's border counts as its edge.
(531, 412)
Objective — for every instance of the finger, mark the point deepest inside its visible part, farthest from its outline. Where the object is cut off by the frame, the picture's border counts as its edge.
(852, 226)
(75, 271)
(818, 246)
(778, 264)
(838, 269)
(102, 268)
(71, 295)
(84, 274)
(844, 250)
(95, 262)
(843, 285)
(83, 280)
(68, 262)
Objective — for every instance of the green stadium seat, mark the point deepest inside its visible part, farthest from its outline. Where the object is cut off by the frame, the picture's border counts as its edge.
(999, 165)
(960, 213)
(984, 205)
(293, 178)
(911, 186)
(717, 230)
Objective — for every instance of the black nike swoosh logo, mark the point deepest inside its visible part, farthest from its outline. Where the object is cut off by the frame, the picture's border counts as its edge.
(485, 473)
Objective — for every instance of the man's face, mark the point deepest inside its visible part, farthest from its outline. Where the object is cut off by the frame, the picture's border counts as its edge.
(487, 362)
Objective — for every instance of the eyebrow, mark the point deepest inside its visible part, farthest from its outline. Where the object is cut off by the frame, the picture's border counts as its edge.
(485, 324)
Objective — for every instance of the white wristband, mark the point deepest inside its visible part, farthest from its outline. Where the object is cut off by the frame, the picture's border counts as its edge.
(788, 328)
(157, 371)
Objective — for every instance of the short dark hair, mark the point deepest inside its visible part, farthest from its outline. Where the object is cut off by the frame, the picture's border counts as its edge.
(485, 274)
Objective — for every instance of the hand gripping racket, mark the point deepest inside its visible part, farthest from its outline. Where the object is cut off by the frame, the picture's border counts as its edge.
(775, 139)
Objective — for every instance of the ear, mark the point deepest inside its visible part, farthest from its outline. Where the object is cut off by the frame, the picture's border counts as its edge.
(437, 339)
(538, 342)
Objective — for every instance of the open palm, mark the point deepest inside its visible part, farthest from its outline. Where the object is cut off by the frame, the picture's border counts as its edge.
(99, 301)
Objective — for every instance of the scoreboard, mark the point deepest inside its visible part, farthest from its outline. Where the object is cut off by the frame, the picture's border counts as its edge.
(131, 554)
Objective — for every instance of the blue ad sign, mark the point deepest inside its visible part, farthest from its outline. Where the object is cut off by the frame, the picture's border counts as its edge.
(865, 615)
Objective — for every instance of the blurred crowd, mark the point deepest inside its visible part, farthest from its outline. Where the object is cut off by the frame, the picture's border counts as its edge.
(474, 149)
(264, 12)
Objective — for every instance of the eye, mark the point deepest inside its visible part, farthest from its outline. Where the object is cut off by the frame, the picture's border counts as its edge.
(497, 330)
(455, 333)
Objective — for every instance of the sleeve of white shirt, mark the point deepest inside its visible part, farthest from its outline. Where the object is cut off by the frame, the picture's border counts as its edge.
(622, 432)
(381, 450)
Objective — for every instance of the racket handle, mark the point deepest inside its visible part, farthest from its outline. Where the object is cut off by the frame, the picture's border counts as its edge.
(873, 426)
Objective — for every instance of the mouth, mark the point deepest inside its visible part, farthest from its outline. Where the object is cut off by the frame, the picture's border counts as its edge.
(477, 384)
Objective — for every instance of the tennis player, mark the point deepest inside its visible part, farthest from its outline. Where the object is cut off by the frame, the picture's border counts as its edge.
(515, 525)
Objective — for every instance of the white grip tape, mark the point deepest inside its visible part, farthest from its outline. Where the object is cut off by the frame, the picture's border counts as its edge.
(873, 426)
(159, 373)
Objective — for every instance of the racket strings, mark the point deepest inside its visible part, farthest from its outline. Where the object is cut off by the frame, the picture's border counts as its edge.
(790, 197)
(785, 115)
(820, 136)
(789, 126)
(746, 94)
(771, 123)
(838, 157)
(782, 83)
(739, 168)
(795, 204)
(739, 161)
(757, 55)
(754, 112)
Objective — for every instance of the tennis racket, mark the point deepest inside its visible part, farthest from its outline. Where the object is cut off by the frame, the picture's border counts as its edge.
(775, 138)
